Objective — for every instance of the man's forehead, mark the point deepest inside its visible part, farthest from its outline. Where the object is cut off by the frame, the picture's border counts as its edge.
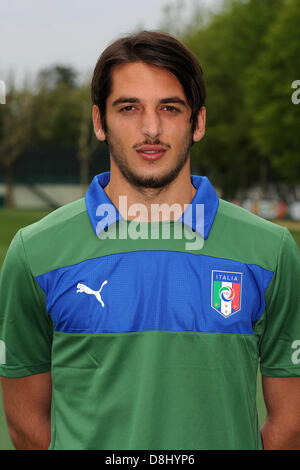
(138, 77)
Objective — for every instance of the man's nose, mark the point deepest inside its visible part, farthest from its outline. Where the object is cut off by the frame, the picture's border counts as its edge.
(151, 124)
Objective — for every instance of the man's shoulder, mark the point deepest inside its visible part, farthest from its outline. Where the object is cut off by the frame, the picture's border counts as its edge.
(242, 219)
(65, 216)
(53, 240)
(247, 237)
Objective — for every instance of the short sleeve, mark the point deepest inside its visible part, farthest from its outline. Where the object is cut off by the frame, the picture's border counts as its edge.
(280, 343)
(25, 327)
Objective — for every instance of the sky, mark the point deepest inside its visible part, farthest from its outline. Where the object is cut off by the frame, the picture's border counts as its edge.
(35, 34)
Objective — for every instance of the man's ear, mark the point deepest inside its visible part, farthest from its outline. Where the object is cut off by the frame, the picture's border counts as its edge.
(98, 129)
(199, 131)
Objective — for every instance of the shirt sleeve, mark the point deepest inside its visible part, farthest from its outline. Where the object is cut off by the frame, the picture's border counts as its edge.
(25, 327)
(280, 343)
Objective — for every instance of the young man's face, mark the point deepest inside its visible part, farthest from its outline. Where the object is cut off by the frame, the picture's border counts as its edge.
(148, 124)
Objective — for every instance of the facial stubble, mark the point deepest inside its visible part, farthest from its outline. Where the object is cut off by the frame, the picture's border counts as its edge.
(154, 182)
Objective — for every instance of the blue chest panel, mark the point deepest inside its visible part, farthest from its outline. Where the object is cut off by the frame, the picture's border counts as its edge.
(154, 290)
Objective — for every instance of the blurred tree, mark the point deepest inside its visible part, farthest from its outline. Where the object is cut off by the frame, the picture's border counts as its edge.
(56, 107)
(64, 117)
(52, 77)
(15, 133)
(181, 16)
(276, 119)
(49, 113)
(226, 47)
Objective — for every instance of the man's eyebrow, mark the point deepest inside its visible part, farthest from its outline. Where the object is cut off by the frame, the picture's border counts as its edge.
(125, 99)
(171, 99)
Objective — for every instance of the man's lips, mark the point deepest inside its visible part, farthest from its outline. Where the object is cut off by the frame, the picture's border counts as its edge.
(151, 152)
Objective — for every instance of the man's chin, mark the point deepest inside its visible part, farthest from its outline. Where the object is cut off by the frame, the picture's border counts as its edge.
(150, 178)
(151, 181)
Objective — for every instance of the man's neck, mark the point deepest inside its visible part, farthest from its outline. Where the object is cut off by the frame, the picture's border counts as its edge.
(178, 194)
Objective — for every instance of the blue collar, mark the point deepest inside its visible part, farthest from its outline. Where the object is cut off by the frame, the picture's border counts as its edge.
(103, 213)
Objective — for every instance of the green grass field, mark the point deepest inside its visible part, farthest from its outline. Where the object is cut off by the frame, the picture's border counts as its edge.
(11, 221)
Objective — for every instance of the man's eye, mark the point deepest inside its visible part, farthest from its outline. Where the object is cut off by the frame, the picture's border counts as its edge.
(171, 109)
(127, 108)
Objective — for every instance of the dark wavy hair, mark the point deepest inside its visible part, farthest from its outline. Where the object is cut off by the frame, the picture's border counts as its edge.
(153, 48)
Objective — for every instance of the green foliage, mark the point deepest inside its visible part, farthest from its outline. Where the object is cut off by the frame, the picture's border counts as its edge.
(57, 106)
(58, 75)
(227, 47)
(275, 118)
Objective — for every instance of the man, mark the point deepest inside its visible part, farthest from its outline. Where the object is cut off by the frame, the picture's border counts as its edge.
(112, 340)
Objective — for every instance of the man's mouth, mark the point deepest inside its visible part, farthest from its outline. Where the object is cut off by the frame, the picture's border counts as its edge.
(151, 152)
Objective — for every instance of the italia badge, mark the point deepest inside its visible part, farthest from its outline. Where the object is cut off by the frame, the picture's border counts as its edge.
(226, 292)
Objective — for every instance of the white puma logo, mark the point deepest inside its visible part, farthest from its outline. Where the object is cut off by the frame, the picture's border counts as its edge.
(87, 290)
